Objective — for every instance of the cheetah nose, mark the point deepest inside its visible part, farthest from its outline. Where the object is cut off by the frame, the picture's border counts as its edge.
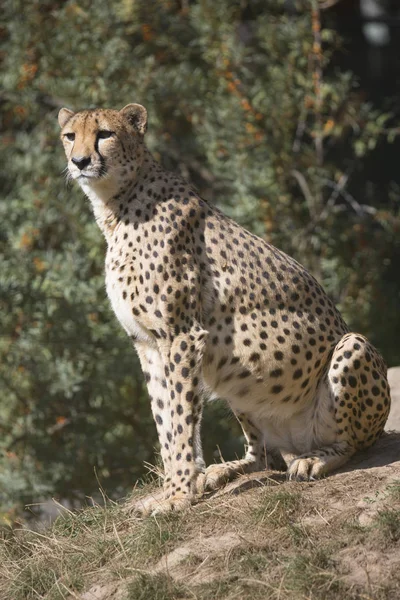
(81, 161)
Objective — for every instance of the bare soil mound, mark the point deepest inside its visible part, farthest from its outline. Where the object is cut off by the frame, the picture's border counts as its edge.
(260, 537)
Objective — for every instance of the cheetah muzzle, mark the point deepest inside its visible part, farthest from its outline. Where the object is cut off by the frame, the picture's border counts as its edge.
(209, 306)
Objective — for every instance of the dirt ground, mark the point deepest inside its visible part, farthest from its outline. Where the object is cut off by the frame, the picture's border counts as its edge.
(264, 537)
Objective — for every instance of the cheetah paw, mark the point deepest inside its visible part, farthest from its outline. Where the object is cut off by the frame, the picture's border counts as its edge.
(215, 477)
(305, 469)
(157, 505)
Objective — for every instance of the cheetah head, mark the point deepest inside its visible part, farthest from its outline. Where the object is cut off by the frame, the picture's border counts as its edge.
(103, 147)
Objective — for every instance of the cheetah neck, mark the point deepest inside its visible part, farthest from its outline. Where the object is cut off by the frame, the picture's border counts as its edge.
(109, 195)
(103, 196)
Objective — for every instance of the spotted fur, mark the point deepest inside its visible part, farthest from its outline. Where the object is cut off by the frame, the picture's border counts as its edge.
(214, 310)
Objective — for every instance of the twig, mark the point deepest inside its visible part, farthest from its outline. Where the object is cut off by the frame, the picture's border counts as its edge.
(301, 180)
(360, 209)
(328, 4)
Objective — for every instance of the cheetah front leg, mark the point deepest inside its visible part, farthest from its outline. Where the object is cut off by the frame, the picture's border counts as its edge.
(179, 427)
(153, 370)
(218, 474)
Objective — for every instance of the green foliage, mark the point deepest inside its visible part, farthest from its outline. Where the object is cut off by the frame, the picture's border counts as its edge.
(240, 101)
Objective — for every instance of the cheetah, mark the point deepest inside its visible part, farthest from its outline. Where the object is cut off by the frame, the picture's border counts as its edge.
(215, 311)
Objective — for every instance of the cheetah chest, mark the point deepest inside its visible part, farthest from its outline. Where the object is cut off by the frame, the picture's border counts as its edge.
(122, 297)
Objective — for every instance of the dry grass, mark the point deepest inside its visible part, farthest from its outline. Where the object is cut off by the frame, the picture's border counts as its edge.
(280, 542)
(278, 508)
(93, 543)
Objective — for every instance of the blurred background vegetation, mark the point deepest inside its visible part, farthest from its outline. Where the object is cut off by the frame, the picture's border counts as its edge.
(285, 114)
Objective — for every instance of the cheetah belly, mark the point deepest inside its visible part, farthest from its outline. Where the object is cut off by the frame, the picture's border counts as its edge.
(314, 426)
(293, 426)
(288, 399)
(123, 311)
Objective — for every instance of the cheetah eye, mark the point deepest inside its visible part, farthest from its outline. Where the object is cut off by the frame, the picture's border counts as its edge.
(103, 134)
(70, 136)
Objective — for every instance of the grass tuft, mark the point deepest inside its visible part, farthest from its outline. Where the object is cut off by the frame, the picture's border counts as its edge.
(313, 575)
(277, 509)
(394, 491)
(388, 522)
(155, 587)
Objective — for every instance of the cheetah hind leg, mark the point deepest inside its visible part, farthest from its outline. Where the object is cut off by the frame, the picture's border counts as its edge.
(357, 412)
(219, 474)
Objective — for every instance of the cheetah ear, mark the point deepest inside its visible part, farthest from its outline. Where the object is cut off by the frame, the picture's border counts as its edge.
(64, 115)
(136, 115)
